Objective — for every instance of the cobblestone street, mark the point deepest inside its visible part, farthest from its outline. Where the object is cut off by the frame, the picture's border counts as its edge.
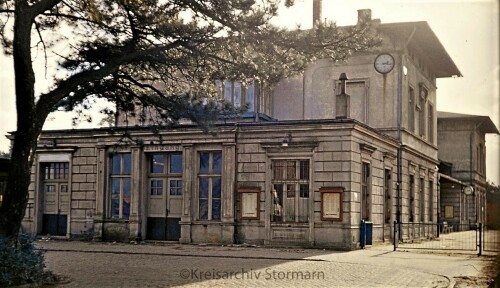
(89, 264)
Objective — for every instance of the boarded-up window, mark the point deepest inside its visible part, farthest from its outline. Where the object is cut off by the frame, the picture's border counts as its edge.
(331, 203)
(448, 211)
(249, 203)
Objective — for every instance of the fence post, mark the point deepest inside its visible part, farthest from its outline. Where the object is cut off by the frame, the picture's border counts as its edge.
(480, 245)
(394, 240)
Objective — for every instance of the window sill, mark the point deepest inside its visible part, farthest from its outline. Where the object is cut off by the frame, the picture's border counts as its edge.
(289, 224)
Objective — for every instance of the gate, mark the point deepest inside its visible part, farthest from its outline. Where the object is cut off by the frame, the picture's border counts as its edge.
(437, 236)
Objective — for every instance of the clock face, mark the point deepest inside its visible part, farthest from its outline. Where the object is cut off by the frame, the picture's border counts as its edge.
(468, 190)
(384, 63)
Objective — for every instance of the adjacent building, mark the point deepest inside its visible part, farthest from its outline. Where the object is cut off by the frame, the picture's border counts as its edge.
(462, 151)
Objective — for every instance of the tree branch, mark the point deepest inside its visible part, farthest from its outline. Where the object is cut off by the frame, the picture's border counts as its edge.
(47, 101)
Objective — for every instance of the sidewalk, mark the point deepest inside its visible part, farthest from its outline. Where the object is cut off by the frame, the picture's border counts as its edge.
(165, 265)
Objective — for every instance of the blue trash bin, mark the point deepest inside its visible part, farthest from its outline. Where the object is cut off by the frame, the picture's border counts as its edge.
(366, 233)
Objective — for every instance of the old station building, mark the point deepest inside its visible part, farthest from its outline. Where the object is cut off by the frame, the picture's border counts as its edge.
(305, 165)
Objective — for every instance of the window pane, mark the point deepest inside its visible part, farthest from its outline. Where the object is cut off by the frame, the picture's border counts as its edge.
(157, 163)
(291, 170)
(176, 163)
(218, 87)
(126, 198)
(304, 190)
(204, 188)
(304, 170)
(278, 168)
(50, 188)
(204, 158)
(115, 207)
(250, 96)
(203, 208)
(237, 94)
(115, 186)
(216, 187)
(227, 91)
(175, 187)
(215, 209)
(116, 164)
(115, 198)
(156, 187)
(66, 170)
(127, 163)
(217, 162)
(290, 190)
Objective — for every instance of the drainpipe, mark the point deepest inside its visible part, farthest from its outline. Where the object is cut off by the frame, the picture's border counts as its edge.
(471, 177)
(400, 142)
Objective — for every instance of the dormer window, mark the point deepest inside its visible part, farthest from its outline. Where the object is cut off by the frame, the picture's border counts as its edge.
(237, 93)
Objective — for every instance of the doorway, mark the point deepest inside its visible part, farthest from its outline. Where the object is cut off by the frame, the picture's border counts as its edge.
(164, 196)
(55, 195)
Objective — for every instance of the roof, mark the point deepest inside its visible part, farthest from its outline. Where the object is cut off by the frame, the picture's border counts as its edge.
(420, 34)
(447, 178)
(487, 126)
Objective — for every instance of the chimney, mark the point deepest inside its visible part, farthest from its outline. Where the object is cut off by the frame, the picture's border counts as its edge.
(364, 16)
(342, 101)
(316, 13)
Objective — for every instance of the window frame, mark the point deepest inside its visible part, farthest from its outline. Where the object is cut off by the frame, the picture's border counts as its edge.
(251, 195)
(422, 199)
(430, 123)
(210, 175)
(122, 177)
(244, 88)
(412, 106)
(423, 96)
(387, 195)
(411, 198)
(166, 176)
(302, 179)
(366, 189)
(330, 195)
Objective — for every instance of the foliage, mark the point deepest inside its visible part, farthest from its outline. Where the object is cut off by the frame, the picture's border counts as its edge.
(159, 54)
(22, 264)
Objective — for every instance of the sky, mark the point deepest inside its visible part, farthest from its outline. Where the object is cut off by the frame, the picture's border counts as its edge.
(468, 29)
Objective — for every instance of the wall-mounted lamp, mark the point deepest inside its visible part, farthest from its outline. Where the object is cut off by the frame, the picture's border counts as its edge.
(286, 140)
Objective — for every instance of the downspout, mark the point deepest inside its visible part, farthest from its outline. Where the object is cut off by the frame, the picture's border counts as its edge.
(399, 117)
(235, 187)
(470, 168)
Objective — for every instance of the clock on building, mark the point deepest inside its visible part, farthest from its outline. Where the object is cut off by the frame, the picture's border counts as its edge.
(384, 63)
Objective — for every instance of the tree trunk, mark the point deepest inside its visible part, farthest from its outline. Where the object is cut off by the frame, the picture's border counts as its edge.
(16, 193)
(28, 126)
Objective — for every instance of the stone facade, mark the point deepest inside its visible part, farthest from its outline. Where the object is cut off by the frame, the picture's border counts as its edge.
(290, 174)
(462, 145)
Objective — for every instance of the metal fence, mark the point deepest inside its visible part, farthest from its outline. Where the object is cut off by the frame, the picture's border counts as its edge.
(491, 239)
(446, 236)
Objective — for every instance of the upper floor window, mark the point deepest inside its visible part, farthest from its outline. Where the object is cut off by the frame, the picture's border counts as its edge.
(422, 99)
(238, 93)
(411, 109)
(430, 123)
(121, 166)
